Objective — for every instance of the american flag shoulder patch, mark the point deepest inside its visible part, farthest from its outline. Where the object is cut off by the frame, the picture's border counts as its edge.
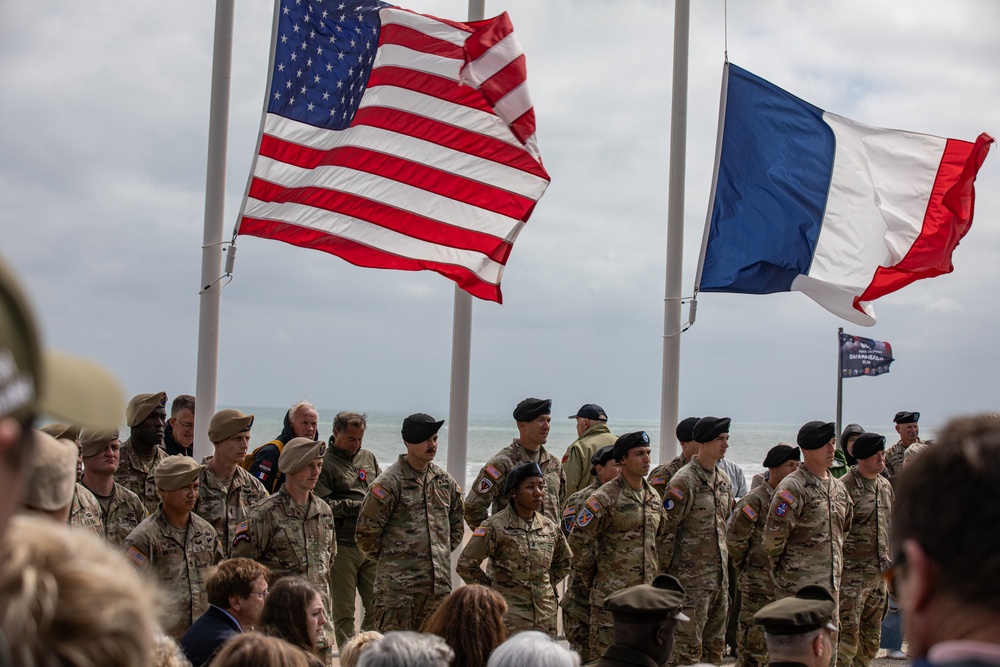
(479, 532)
(492, 472)
(749, 511)
(136, 556)
(676, 493)
(594, 504)
(244, 526)
(379, 492)
(659, 480)
(786, 495)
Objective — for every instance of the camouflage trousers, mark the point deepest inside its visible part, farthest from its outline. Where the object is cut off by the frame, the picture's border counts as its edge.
(602, 631)
(352, 574)
(863, 605)
(750, 646)
(702, 639)
(408, 613)
(576, 625)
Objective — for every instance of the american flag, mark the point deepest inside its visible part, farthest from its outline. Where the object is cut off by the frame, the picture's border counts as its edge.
(396, 141)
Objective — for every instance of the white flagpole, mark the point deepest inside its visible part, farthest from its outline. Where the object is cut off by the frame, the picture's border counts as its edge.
(675, 235)
(211, 250)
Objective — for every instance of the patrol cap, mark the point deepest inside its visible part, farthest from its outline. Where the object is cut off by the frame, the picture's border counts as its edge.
(532, 408)
(868, 444)
(603, 455)
(591, 411)
(93, 441)
(298, 453)
(227, 423)
(708, 429)
(811, 608)
(685, 429)
(176, 472)
(51, 477)
(648, 603)
(780, 453)
(142, 405)
(906, 417)
(65, 431)
(629, 441)
(816, 434)
(419, 427)
(519, 474)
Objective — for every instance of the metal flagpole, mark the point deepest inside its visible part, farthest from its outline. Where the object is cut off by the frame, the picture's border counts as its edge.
(211, 250)
(675, 235)
(840, 381)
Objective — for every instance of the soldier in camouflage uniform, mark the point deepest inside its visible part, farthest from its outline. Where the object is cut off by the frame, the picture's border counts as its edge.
(533, 421)
(528, 554)
(174, 545)
(146, 416)
(743, 539)
(593, 432)
(348, 472)
(410, 522)
(615, 536)
(661, 474)
(228, 492)
(120, 511)
(84, 512)
(809, 516)
(863, 597)
(697, 503)
(909, 431)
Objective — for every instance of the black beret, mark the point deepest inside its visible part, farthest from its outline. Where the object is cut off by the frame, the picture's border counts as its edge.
(603, 455)
(814, 435)
(708, 429)
(811, 608)
(906, 417)
(781, 453)
(868, 444)
(648, 603)
(629, 441)
(519, 474)
(532, 408)
(685, 429)
(419, 427)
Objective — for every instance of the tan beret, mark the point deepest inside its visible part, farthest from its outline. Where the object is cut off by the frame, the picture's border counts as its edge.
(176, 472)
(227, 423)
(52, 474)
(57, 431)
(142, 405)
(93, 441)
(298, 453)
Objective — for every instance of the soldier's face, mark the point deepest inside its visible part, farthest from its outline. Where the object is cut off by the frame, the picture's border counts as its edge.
(530, 494)
(424, 452)
(232, 450)
(535, 433)
(872, 466)
(315, 618)
(305, 422)
(715, 449)
(107, 460)
(181, 500)
(783, 471)
(182, 426)
(636, 461)
(306, 478)
(908, 432)
(607, 472)
(349, 440)
(151, 428)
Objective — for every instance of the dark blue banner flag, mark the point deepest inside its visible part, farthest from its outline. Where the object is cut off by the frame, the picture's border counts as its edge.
(863, 356)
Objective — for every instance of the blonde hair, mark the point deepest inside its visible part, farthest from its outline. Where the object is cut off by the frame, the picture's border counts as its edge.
(251, 649)
(68, 599)
(353, 647)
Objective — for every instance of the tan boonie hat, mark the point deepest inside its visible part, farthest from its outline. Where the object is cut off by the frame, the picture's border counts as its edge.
(65, 431)
(298, 453)
(33, 380)
(94, 441)
(176, 472)
(51, 477)
(648, 603)
(142, 405)
(227, 423)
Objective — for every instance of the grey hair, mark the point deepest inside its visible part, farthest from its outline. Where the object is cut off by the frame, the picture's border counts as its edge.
(533, 649)
(791, 646)
(301, 404)
(407, 649)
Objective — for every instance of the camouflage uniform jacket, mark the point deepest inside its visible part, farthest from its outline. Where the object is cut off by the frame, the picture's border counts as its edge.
(289, 539)
(894, 458)
(226, 504)
(696, 505)
(804, 531)
(574, 504)
(85, 511)
(488, 487)
(661, 474)
(577, 595)
(177, 568)
(866, 548)
(125, 512)
(137, 477)
(527, 560)
(743, 539)
(343, 484)
(614, 539)
(410, 522)
(576, 461)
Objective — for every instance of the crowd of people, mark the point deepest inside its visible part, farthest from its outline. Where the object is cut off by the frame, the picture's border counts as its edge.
(134, 553)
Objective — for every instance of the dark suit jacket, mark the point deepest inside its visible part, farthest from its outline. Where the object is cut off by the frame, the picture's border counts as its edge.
(208, 633)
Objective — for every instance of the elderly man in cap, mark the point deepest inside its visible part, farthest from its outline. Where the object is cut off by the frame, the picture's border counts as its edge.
(301, 421)
(174, 545)
(863, 597)
(146, 416)
(533, 417)
(743, 539)
(410, 522)
(121, 511)
(800, 630)
(527, 551)
(615, 537)
(809, 516)
(593, 432)
(908, 428)
(228, 492)
(696, 505)
(645, 622)
(661, 474)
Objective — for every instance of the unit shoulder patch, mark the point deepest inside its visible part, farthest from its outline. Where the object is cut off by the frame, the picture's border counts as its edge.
(485, 485)
(584, 517)
(781, 509)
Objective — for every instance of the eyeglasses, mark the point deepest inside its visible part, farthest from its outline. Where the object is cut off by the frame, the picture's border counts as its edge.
(262, 594)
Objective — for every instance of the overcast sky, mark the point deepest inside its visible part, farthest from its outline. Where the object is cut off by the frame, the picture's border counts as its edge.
(102, 173)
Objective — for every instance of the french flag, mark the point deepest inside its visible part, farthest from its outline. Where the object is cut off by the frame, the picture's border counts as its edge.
(809, 201)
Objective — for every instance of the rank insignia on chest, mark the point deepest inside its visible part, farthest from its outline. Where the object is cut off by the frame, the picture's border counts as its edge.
(676, 493)
(584, 518)
(785, 495)
(136, 556)
(485, 485)
(781, 509)
(493, 472)
(669, 504)
(751, 514)
(659, 480)
(379, 492)
(594, 504)
(362, 475)
(479, 532)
